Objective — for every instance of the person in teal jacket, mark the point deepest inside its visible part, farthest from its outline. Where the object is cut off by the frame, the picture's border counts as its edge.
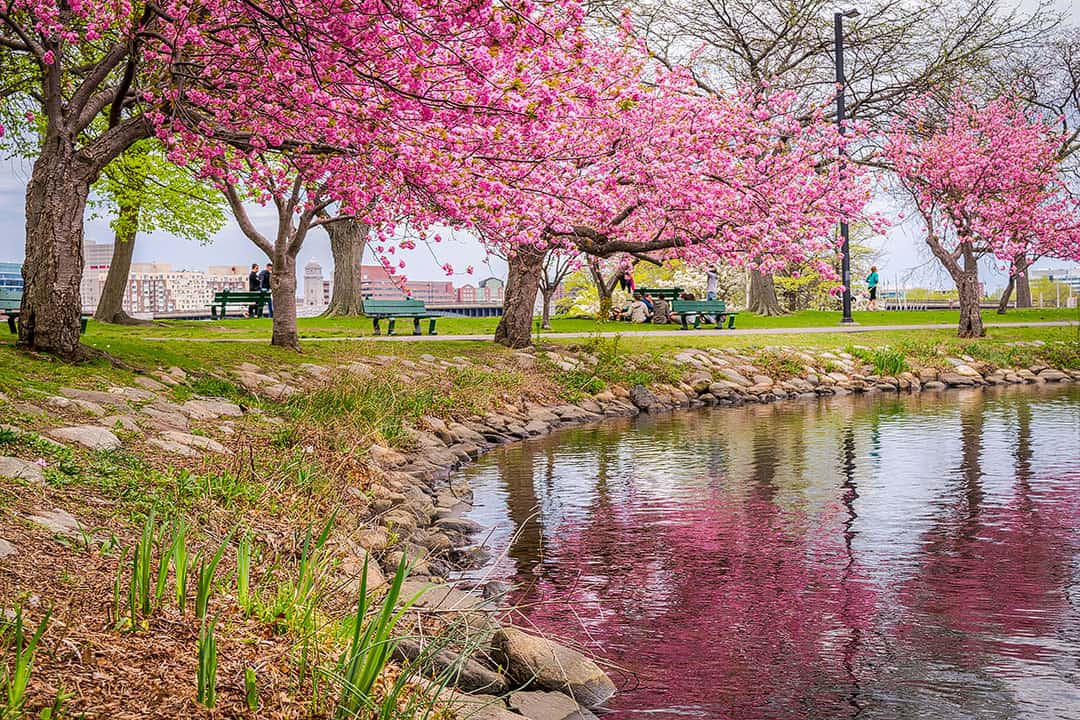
(872, 283)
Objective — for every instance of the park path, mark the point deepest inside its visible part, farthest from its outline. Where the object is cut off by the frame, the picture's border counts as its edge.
(705, 332)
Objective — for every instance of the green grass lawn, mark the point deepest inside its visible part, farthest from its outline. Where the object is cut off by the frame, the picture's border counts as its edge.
(359, 327)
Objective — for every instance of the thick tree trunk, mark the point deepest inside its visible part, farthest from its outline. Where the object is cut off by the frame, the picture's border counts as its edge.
(1006, 295)
(605, 289)
(761, 295)
(348, 238)
(55, 200)
(545, 317)
(522, 284)
(967, 283)
(1023, 285)
(283, 293)
(110, 307)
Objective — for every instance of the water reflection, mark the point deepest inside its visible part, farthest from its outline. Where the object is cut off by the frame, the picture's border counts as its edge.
(887, 558)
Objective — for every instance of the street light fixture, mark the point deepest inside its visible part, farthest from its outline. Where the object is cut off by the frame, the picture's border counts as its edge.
(845, 248)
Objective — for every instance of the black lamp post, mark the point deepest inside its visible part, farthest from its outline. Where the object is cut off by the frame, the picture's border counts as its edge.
(845, 250)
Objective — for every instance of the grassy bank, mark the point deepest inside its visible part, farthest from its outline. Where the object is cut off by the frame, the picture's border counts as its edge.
(361, 327)
(291, 498)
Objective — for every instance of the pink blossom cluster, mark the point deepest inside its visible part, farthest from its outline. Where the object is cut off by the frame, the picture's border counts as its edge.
(987, 176)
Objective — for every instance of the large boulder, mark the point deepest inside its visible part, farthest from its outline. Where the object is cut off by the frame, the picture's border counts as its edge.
(536, 661)
(463, 673)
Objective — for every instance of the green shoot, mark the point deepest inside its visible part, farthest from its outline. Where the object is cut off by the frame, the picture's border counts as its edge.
(206, 673)
(251, 690)
(243, 573)
(180, 563)
(207, 568)
(370, 645)
(13, 682)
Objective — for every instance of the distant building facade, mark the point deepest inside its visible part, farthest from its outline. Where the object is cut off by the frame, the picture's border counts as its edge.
(1068, 276)
(156, 287)
(10, 276)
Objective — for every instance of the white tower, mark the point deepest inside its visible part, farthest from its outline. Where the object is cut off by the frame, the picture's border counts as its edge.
(313, 284)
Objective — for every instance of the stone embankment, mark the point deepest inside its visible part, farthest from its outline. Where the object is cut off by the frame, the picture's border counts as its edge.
(415, 509)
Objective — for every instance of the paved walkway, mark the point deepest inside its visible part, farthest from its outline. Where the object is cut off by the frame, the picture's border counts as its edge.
(710, 332)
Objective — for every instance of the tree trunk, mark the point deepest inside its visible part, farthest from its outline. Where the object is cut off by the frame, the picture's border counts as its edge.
(1006, 294)
(604, 290)
(522, 284)
(545, 317)
(1023, 285)
(967, 283)
(761, 296)
(110, 307)
(55, 200)
(283, 293)
(348, 238)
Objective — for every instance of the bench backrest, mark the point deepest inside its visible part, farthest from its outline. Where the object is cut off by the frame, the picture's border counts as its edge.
(666, 293)
(705, 306)
(225, 296)
(390, 307)
(10, 299)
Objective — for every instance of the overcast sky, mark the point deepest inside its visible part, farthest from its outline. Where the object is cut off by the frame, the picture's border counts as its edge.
(904, 258)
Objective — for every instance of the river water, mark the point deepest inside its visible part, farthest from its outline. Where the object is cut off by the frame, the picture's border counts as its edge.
(872, 557)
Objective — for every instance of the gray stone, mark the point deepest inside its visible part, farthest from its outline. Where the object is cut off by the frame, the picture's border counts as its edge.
(92, 396)
(551, 666)
(133, 394)
(441, 597)
(387, 457)
(1053, 376)
(126, 422)
(6, 549)
(62, 403)
(953, 379)
(148, 383)
(353, 568)
(464, 434)
(28, 409)
(573, 413)
(57, 520)
(209, 409)
(536, 427)
(933, 385)
(16, 468)
(162, 418)
(548, 706)
(643, 398)
(466, 674)
(95, 438)
(461, 525)
(196, 441)
(173, 447)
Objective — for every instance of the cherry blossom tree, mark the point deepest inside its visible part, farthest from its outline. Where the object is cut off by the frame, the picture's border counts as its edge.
(659, 171)
(986, 181)
(304, 77)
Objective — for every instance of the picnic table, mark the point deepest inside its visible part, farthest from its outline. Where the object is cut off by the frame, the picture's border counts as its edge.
(391, 309)
(245, 298)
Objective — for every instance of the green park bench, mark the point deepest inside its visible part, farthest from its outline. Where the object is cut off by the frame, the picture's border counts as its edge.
(243, 298)
(670, 294)
(391, 309)
(701, 309)
(10, 305)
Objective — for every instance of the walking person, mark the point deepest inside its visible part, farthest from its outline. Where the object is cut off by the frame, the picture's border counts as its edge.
(264, 284)
(871, 284)
(253, 286)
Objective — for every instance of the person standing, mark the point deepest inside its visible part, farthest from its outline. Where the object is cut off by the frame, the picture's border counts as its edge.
(871, 284)
(253, 286)
(712, 283)
(264, 284)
